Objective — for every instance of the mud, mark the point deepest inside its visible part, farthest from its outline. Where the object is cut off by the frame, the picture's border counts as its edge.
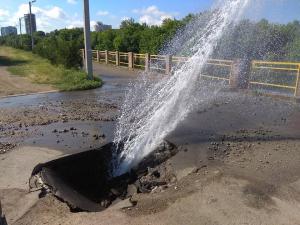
(77, 118)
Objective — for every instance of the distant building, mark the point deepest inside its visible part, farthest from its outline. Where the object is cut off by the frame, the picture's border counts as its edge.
(99, 26)
(27, 23)
(8, 31)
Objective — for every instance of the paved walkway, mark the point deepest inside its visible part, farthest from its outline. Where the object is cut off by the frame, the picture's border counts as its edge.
(111, 70)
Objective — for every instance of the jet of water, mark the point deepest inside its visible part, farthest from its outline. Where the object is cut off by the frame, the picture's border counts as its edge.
(153, 108)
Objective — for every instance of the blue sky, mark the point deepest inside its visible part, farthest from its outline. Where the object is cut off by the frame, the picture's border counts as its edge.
(55, 14)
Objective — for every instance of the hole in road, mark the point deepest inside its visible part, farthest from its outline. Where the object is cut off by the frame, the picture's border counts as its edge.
(83, 180)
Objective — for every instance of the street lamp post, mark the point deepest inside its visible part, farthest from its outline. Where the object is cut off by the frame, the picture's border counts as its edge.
(20, 24)
(87, 40)
(30, 21)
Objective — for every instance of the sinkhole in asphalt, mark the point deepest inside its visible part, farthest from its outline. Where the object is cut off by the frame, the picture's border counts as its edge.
(83, 180)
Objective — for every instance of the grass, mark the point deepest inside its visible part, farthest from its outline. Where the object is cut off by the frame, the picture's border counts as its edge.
(41, 71)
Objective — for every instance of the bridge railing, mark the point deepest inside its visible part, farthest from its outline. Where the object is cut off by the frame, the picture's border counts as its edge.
(139, 61)
(218, 69)
(123, 59)
(112, 57)
(158, 63)
(282, 77)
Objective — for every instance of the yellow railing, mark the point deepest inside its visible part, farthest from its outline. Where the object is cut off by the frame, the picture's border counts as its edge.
(159, 59)
(220, 63)
(94, 54)
(137, 59)
(179, 59)
(123, 59)
(112, 57)
(102, 56)
(281, 71)
(214, 62)
(267, 74)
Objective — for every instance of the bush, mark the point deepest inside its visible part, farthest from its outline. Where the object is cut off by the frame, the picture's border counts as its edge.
(76, 80)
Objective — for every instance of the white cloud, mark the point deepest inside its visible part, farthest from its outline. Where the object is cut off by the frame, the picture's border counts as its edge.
(125, 18)
(54, 13)
(4, 13)
(152, 15)
(75, 23)
(72, 2)
(92, 24)
(102, 13)
(47, 18)
(79, 23)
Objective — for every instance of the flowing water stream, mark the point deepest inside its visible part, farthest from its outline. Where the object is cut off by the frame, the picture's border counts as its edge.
(154, 107)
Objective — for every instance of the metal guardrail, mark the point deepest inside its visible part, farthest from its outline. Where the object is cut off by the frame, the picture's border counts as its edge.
(102, 56)
(217, 64)
(123, 59)
(274, 76)
(94, 54)
(285, 75)
(139, 60)
(158, 62)
(112, 57)
(177, 60)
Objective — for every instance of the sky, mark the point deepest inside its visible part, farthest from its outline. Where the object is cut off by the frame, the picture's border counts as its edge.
(57, 14)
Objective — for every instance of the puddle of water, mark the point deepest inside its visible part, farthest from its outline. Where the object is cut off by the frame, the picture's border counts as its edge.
(113, 88)
(70, 137)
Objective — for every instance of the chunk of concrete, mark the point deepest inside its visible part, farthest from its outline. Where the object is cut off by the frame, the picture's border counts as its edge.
(131, 190)
(122, 204)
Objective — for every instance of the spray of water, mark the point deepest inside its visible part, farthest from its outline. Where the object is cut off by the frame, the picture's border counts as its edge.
(153, 108)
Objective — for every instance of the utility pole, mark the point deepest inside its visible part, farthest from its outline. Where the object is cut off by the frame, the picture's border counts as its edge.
(87, 40)
(30, 21)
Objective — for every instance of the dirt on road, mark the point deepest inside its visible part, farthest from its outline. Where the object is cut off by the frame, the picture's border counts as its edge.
(238, 161)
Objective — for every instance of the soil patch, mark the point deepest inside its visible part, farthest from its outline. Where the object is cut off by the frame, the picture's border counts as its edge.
(12, 85)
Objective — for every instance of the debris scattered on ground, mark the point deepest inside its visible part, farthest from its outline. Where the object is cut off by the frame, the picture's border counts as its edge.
(17, 123)
(6, 147)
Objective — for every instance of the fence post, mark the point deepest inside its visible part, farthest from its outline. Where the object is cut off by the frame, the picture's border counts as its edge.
(168, 64)
(117, 58)
(147, 62)
(106, 57)
(240, 72)
(98, 56)
(130, 60)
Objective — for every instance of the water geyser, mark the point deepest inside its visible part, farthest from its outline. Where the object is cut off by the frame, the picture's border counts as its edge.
(153, 109)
